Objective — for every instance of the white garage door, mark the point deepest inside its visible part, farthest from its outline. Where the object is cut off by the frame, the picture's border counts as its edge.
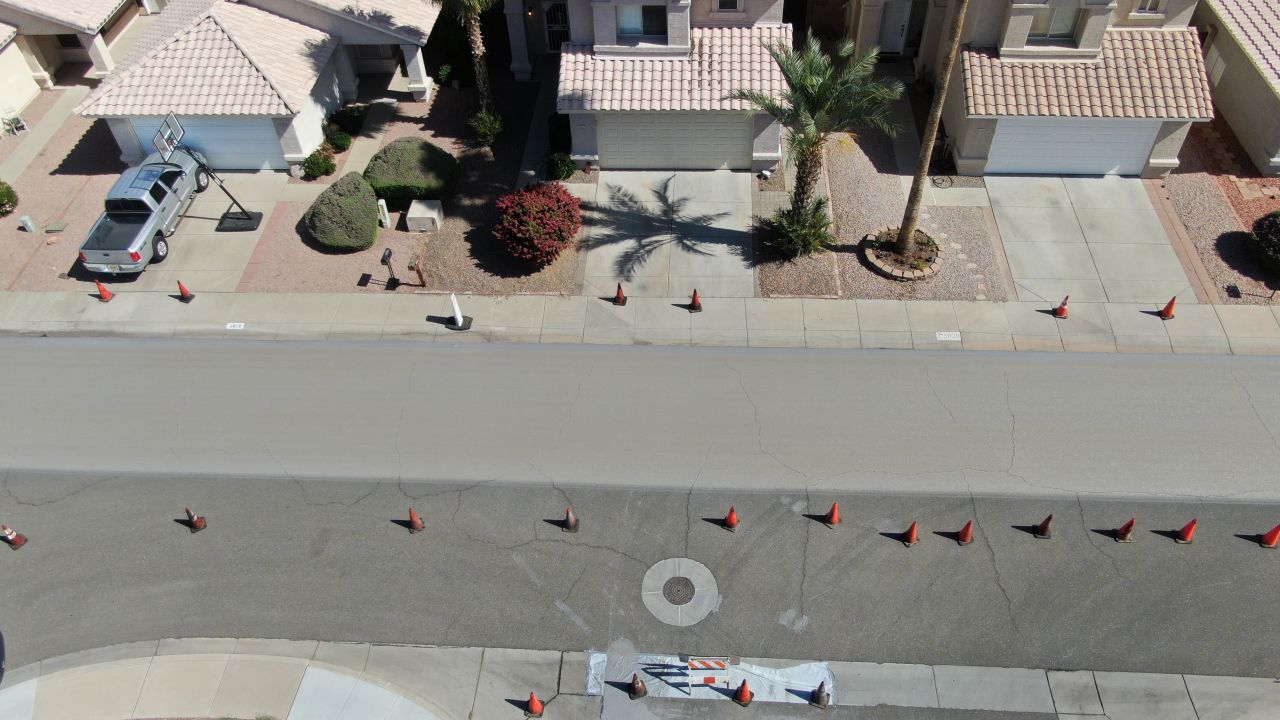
(243, 143)
(1071, 146)
(674, 141)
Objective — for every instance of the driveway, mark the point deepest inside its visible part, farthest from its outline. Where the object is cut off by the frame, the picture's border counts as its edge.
(664, 233)
(1095, 238)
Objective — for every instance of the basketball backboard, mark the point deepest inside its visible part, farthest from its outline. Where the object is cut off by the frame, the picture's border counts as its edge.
(168, 136)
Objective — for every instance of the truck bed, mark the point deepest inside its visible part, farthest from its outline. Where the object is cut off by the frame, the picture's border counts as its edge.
(115, 231)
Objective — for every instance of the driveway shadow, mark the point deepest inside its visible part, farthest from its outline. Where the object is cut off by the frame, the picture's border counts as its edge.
(642, 226)
(94, 154)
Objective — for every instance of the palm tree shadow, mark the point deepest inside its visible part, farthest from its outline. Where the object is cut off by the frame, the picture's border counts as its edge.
(645, 226)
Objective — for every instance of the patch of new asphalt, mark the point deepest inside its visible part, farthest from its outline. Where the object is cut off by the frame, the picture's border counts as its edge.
(107, 563)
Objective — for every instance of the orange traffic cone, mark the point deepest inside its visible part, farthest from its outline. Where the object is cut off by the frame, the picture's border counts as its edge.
(820, 698)
(1166, 312)
(695, 305)
(912, 535)
(1124, 533)
(731, 520)
(415, 522)
(13, 539)
(195, 522)
(533, 708)
(620, 298)
(744, 696)
(965, 537)
(1271, 538)
(1187, 533)
(104, 294)
(184, 294)
(1061, 311)
(636, 689)
(832, 518)
(570, 523)
(1041, 531)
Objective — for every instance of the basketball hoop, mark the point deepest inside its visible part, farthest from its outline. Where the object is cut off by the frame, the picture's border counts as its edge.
(168, 137)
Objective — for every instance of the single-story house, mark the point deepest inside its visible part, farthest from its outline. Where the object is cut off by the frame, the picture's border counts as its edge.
(252, 81)
(1242, 52)
(53, 32)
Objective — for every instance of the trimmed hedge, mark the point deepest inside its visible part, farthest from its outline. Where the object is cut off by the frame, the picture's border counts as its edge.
(319, 163)
(1265, 241)
(338, 139)
(560, 166)
(349, 118)
(345, 215)
(8, 198)
(536, 223)
(410, 169)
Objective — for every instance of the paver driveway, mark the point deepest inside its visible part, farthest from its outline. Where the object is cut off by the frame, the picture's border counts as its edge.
(664, 233)
(1097, 238)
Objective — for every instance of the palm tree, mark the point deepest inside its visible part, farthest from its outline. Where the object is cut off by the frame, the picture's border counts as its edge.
(823, 96)
(911, 216)
(468, 13)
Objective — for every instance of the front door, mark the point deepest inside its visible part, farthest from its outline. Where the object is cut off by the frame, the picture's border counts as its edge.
(893, 26)
(556, 15)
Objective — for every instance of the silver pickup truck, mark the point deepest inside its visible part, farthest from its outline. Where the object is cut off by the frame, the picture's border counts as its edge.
(143, 208)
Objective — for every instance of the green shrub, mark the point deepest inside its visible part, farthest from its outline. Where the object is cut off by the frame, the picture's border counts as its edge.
(443, 73)
(345, 215)
(8, 198)
(487, 126)
(536, 223)
(1265, 241)
(795, 235)
(338, 139)
(560, 166)
(319, 163)
(349, 118)
(410, 169)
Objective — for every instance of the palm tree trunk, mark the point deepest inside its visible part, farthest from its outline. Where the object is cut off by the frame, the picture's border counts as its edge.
(911, 218)
(808, 166)
(478, 60)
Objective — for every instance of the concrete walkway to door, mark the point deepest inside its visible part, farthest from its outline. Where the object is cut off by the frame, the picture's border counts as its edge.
(1096, 238)
(664, 233)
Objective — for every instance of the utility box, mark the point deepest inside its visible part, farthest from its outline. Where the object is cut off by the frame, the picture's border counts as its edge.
(424, 216)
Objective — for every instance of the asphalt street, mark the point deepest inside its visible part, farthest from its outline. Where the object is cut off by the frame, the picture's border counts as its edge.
(303, 455)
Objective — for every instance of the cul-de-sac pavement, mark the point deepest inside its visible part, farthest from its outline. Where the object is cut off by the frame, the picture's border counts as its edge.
(629, 360)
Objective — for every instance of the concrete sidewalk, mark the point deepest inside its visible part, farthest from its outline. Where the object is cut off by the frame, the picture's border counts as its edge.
(724, 322)
(301, 680)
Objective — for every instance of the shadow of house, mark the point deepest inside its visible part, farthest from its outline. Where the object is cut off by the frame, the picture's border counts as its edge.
(644, 226)
(94, 154)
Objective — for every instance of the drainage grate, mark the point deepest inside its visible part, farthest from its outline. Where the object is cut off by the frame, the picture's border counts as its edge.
(678, 590)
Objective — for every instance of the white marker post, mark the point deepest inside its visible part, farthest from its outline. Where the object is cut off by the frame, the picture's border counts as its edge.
(458, 321)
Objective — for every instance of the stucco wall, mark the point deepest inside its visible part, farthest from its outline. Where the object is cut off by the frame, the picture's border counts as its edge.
(1250, 106)
(581, 24)
(582, 127)
(308, 126)
(970, 137)
(753, 12)
(766, 143)
(17, 88)
(1174, 13)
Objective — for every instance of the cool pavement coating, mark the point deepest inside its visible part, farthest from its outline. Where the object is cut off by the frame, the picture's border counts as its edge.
(644, 443)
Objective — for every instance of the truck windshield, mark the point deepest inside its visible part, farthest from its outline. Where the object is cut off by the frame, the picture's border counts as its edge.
(127, 206)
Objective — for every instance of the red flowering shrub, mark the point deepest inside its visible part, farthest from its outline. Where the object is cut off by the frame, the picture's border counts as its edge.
(536, 223)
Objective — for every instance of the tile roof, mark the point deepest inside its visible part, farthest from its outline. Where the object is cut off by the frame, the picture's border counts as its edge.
(413, 18)
(1255, 24)
(1141, 74)
(721, 60)
(86, 15)
(7, 33)
(233, 59)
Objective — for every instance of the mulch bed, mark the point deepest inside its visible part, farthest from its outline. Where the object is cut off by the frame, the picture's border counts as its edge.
(1216, 216)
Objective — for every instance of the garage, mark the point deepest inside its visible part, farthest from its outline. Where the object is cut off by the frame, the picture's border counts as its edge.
(674, 141)
(236, 143)
(1071, 146)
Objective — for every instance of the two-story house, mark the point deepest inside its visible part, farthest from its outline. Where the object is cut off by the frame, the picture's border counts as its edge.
(644, 82)
(1080, 87)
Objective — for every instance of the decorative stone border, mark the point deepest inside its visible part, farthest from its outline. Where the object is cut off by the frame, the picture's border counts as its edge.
(706, 594)
(893, 272)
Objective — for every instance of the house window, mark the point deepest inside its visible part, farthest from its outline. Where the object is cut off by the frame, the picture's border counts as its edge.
(68, 41)
(1149, 7)
(1054, 24)
(727, 5)
(638, 20)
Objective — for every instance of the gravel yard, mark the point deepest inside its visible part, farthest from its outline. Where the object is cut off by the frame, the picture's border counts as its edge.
(866, 194)
(1215, 214)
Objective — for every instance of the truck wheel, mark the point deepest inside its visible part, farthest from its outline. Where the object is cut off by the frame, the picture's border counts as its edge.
(202, 181)
(159, 249)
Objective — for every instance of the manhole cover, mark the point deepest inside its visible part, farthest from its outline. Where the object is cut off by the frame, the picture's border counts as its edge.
(678, 590)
